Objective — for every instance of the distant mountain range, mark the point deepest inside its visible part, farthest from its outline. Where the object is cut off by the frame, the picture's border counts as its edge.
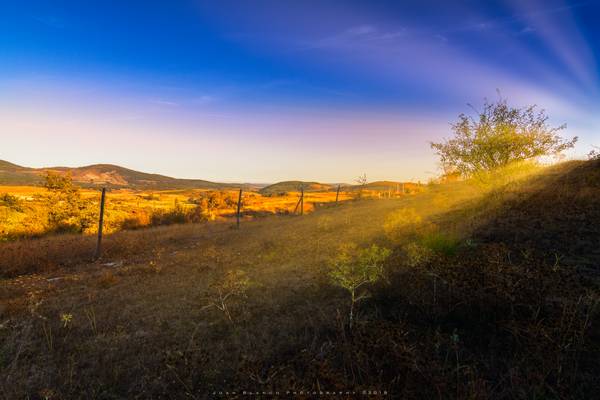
(108, 175)
(114, 176)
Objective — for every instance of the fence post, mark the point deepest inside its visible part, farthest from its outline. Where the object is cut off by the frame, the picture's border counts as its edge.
(100, 224)
(337, 195)
(297, 205)
(302, 201)
(239, 206)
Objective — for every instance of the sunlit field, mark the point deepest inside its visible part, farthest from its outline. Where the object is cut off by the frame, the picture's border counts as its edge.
(128, 209)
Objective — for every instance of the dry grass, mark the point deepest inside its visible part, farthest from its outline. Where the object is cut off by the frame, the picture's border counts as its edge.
(470, 324)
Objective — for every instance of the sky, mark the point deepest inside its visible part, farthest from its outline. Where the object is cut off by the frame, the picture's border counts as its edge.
(268, 90)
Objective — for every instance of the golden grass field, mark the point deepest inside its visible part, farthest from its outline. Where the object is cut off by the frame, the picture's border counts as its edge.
(136, 207)
(481, 310)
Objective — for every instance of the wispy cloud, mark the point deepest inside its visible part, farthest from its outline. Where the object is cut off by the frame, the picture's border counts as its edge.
(356, 36)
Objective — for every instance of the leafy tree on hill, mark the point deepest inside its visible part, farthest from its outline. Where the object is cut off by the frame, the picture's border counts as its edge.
(498, 136)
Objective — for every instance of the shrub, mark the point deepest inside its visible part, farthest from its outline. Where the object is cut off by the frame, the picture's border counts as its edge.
(67, 212)
(139, 219)
(416, 254)
(10, 201)
(211, 201)
(401, 222)
(176, 215)
(354, 268)
(440, 243)
(233, 283)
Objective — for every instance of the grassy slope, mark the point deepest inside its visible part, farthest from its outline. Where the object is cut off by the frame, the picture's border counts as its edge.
(488, 327)
(12, 174)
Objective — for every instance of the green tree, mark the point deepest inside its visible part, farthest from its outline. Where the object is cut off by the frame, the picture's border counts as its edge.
(498, 136)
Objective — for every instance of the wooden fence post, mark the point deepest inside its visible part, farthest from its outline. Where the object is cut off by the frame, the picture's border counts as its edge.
(297, 205)
(302, 201)
(100, 224)
(239, 206)
(337, 195)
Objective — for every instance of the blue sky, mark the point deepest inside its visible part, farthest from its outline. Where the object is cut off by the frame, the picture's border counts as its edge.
(270, 90)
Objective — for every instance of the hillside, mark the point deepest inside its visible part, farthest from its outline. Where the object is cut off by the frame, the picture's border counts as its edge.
(12, 174)
(488, 293)
(557, 216)
(104, 175)
(294, 186)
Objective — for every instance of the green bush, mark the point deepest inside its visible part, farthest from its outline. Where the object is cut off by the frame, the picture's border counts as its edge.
(353, 269)
(440, 243)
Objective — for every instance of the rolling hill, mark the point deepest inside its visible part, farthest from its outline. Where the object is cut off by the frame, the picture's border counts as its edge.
(294, 186)
(108, 175)
(12, 174)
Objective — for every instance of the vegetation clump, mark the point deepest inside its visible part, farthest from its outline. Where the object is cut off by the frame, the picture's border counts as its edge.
(402, 222)
(211, 202)
(232, 284)
(67, 211)
(8, 200)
